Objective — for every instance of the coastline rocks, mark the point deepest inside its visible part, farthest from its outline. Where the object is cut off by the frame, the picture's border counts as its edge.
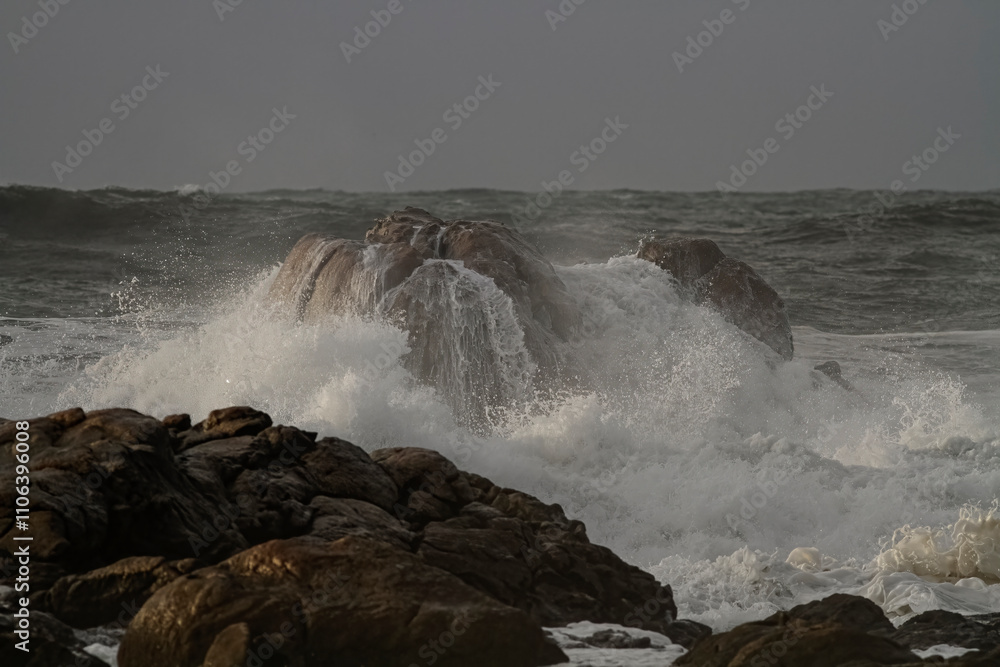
(840, 630)
(980, 632)
(313, 603)
(728, 285)
(130, 512)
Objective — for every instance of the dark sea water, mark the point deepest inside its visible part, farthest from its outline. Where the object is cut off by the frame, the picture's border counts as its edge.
(151, 300)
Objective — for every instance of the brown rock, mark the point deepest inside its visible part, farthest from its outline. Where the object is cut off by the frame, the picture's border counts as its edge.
(225, 423)
(179, 422)
(832, 632)
(744, 299)
(111, 594)
(351, 602)
(687, 259)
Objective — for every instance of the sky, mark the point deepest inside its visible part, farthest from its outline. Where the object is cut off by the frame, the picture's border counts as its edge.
(640, 94)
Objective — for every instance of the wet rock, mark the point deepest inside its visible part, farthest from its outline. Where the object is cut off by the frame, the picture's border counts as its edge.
(119, 518)
(179, 422)
(730, 286)
(349, 602)
(111, 594)
(831, 369)
(744, 299)
(452, 283)
(687, 259)
(981, 632)
(225, 423)
(50, 643)
(827, 633)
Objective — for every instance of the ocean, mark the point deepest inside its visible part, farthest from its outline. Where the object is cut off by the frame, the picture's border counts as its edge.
(747, 485)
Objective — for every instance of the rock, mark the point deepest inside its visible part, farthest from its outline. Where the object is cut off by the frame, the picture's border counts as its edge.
(119, 517)
(349, 602)
(225, 423)
(831, 369)
(454, 284)
(849, 611)
(230, 647)
(106, 488)
(111, 594)
(826, 633)
(687, 259)
(745, 300)
(181, 422)
(50, 643)
(334, 518)
(730, 286)
(981, 632)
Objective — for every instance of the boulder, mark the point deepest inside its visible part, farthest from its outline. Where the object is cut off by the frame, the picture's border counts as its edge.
(111, 594)
(831, 632)
(348, 602)
(980, 632)
(686, 259)
(51, 643)
(453, 284)
(728, 285)
(744, 299)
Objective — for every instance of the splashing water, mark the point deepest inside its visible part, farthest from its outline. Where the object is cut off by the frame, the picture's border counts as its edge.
(677, 442)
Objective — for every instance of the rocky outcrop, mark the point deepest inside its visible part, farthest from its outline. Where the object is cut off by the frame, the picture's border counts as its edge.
(307, 601)
(728, 285)
(483, 308)
(980, 632)
(838, 630)
(489, 321)
(231, 522)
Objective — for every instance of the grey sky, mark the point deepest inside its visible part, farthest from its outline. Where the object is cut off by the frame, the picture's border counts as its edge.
(557, 87)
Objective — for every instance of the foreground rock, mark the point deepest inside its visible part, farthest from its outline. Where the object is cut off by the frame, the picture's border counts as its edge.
(730, 286)
(134, 517)
(838, 630)
(350, 602)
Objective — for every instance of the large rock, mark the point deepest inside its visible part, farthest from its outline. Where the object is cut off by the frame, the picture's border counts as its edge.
(728, 285)
(149, 518)
(485, 311)
(836, 631)
(980, 632)
(351, 602)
